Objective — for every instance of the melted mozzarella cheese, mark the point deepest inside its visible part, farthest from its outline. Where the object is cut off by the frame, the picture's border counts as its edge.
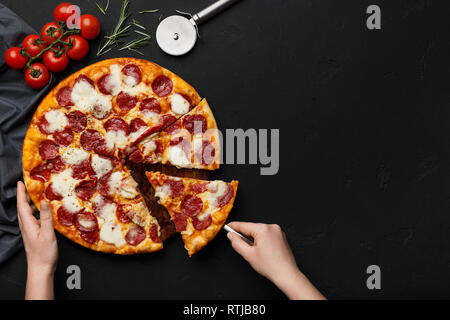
(179, 104)
(71, 204)
(216, 190)
(116, 139)
(130, 81)
(74, 156)
(137, 134)
(128, 188)
(150, 115)
(112, 233)
(57, 121)
(162, 192)
(108, 212)
(87, 99)
(149, 147)
(101, 165)
(114, 182)
(114, 84)
(63, 183)
(177, 157)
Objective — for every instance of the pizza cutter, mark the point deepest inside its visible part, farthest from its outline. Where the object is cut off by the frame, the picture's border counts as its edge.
(176, 35)
(229, 229)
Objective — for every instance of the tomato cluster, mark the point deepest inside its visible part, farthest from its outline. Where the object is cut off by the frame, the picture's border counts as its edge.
(56, 45)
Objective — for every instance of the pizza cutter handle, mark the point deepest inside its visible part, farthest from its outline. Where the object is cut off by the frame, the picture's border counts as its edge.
(229, 229)
(212, 10)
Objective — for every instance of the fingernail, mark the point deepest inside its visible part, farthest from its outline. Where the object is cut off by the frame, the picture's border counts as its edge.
(230, 236)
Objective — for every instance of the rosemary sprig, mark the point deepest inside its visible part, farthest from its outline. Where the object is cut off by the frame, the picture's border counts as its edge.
(102, 10)
(119, 31)
(137, 24)
(138, 43)
(149, 11)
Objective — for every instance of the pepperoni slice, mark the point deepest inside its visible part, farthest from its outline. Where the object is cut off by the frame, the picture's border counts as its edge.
(137, 124)
(195, 123)
(65, 217)
(50, 194)
(125, 101)
(86, 189)
(166, 120)
(85, 221)
(103, 84)
(153, 232)
(162, 86)
(198, 187)
(92, 140)
(135, 235)
(117, 124)
(103, 185)
(90, 237)
(150, 104)
(82, 170)
(121, 213)
(55, 165)
(89, 139)
(176, 186)
(48, 149)
(63, 96)
(132, 70)
(77, 121)
(42, 125)
(223, 200)
(63, 138)
(136, 156)
(173, 128)
(206, 155)
(201, 224)
(159, 148)
(83, 77)
(191, 205)
(40, 172)
(180, 222)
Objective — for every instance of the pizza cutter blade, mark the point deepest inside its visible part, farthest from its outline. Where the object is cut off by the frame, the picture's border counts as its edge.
(176, 35)
(229, 229)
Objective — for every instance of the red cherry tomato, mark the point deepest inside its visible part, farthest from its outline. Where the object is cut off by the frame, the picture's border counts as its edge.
(54, 63)
(29, 44)
(56, 32)
(14, 59)
(39, 77)
(79, 49)
(90, 26)
(61, 12)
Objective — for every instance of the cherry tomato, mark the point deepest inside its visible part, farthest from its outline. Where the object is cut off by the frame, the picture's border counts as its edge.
(54, 63)
(14, 59)
(39, 77)
(56, 32)
(61, 12)
(90, 26)
(79, 49)
(29, 44)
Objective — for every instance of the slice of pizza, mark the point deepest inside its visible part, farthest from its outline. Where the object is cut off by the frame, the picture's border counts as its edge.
(198, 208)
(191, 142)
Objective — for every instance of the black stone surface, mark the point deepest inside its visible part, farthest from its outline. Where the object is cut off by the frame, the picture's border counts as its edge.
(364, 159)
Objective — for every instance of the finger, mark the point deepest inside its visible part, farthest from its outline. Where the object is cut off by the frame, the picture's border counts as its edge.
(46, 219)
(246, 228)
(239, 245)
(24, 212)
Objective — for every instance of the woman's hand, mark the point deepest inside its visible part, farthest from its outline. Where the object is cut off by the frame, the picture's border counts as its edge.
(272, 257)
(40, 246)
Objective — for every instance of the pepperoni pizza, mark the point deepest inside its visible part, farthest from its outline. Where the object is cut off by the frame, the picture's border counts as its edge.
(198, 208)
(83, 131)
